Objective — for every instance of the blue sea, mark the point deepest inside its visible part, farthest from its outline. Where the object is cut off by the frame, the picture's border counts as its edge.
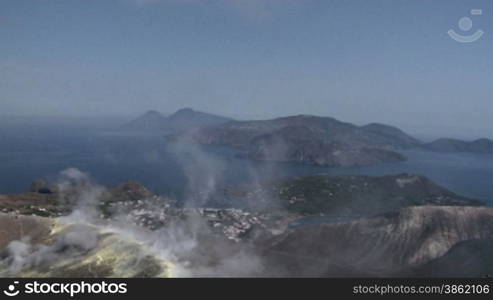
(32, 151)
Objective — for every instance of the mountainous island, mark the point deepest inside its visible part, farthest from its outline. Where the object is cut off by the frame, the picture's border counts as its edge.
(313, 140)
(455, 145)
(182, 120)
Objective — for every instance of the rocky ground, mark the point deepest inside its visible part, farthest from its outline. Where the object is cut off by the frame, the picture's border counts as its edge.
(319, 226)
(408, 241)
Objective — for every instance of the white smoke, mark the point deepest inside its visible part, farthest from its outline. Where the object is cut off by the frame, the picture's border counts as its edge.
(76, 188)
(188, 242)
(202, 170)
(17, 252)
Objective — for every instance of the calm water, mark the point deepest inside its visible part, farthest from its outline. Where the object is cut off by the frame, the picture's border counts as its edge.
(28, 153)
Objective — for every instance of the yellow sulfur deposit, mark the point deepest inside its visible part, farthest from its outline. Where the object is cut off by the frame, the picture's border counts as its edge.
(114, 255)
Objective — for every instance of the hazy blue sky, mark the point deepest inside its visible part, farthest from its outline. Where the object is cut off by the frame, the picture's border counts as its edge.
(357, 60)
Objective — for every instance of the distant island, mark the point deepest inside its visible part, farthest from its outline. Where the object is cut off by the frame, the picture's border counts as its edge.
(455, 145)
(307, 139)
(182, 120)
